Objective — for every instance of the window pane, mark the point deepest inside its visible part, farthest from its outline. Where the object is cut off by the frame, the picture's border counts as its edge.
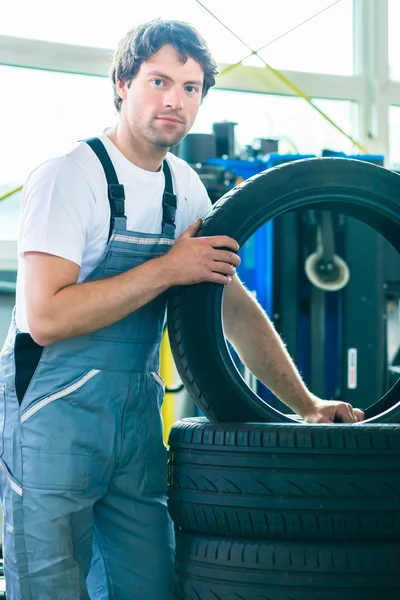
(313, 47)
(394, 40)
(55, 110)
(301, 128)
(394, 139)
(60, 108)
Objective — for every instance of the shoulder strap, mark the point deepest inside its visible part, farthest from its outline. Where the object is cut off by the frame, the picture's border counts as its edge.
(169, 203)
(115, 190)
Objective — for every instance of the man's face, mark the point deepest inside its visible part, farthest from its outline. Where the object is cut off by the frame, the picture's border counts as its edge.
(163, 99)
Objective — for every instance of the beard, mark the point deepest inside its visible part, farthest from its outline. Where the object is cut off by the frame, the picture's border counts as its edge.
(165, 139)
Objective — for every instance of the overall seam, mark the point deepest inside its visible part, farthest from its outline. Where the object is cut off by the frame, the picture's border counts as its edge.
(122, 426)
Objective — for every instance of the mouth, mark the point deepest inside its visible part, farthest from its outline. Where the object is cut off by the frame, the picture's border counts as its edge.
(170, 120)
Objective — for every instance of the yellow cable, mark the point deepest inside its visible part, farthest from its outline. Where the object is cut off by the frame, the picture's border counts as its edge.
(298, 26)
(303, 95)
(8, 194)
(167, 373)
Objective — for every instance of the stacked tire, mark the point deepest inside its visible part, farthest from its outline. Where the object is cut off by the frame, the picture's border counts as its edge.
(278, 512)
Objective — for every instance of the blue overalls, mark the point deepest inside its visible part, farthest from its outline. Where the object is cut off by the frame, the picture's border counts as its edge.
(83, 463)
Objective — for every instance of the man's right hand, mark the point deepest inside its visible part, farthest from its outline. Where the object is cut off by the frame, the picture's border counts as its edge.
(201, 259)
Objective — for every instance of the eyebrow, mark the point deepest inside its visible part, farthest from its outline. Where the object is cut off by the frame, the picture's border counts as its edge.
(168, 78)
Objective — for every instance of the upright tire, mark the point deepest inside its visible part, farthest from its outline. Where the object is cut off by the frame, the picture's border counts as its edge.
(352, 187)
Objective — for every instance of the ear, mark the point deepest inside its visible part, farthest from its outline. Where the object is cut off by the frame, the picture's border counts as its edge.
(122, 88)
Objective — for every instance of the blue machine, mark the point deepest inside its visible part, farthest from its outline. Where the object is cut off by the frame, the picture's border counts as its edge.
(333, 314)
(376, 159)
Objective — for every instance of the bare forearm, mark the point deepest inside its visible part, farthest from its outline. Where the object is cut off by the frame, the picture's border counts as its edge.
(261, 349)
(82, 308)
(59, 308)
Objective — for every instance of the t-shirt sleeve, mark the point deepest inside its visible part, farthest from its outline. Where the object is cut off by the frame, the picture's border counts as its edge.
(56, 211)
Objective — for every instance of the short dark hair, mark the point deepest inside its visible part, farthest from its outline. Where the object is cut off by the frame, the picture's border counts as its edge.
(144, 40)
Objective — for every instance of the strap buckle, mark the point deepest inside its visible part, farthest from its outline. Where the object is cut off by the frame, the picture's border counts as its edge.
(116, 194)
(169, 208)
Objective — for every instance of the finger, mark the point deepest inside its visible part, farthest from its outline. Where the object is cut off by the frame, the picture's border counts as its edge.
(359, 414)
(341, 414)
(218, 278)
(227, 257)
(222, 241)
(192, 229)
(223, 268)
(351, 417)
(345, 412)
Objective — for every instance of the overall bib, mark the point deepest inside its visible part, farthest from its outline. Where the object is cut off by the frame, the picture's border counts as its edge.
(82, 458)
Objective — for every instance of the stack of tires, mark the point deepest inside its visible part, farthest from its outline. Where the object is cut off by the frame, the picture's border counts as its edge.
(265, 507)
(285, 512)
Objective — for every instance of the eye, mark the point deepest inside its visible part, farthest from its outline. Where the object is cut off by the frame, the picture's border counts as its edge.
(158, 82)
(191, 89)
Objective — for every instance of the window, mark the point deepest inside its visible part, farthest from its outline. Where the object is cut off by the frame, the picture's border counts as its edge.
(43, 111)
(42, 114)
(301, 128)
(312, 47)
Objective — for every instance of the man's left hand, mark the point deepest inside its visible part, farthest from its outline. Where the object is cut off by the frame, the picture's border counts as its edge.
(329, 411)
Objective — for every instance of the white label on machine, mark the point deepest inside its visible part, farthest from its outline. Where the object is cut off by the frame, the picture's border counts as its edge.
(352, 368)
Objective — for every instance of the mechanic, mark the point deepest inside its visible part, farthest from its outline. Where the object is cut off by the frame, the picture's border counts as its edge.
(106, 229)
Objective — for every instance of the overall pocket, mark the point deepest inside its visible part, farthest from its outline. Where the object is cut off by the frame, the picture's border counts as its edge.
(59, 434)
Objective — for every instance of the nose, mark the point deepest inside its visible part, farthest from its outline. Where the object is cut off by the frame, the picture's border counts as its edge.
(173, 98)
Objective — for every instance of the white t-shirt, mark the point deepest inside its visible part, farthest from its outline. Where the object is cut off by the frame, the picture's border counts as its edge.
(65, 209)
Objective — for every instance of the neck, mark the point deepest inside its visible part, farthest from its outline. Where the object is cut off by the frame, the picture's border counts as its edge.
(138, 151)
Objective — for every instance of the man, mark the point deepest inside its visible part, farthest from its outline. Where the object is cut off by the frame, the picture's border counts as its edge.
(106, 230)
